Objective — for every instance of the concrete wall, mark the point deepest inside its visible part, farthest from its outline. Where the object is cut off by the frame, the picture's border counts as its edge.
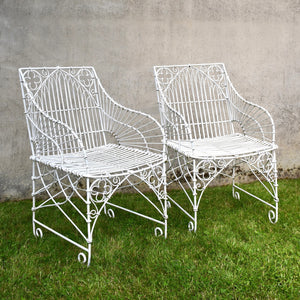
(257, 40)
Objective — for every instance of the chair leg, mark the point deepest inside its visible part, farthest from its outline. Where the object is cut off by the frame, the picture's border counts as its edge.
(33, 199)
(185, 174)
(264, 167)
(37, 231)
(204, 172)
(273, 214)
(157, 182)
(165, 196)
(82, 256)
(59, 188)
(193, 224)
(197, 175)
(88, 212)
(200, 183)
(235, 193)
(103, 189)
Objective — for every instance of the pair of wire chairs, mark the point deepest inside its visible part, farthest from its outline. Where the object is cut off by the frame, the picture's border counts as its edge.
(85, 146)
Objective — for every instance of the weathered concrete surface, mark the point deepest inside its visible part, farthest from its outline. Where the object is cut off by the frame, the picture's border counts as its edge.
(257, 40)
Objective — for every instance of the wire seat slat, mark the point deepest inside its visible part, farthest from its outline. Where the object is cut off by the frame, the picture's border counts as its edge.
(109, 160)
(235, 145)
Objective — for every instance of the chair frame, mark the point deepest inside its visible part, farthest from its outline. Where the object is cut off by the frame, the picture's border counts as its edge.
(85, 147)
(219, 113)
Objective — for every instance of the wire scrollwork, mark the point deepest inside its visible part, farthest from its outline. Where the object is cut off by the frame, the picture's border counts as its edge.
(101, 191)
(236, 194)
(82, 258)
(264, 164)
(206, 170)
(86, 77)
(272, 216)
(191, 226)
(216, 73)
(38, 233)
(166, 75)
(103, 188)
(158, 231)
(110, 213)
(152, 177)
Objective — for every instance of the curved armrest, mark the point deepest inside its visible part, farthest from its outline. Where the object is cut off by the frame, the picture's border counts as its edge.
(52, 137)
(174, 123)
(130, 127)
(254, 120)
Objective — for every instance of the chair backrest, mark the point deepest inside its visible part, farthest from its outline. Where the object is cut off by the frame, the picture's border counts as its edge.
(199, 94)
(61, 104)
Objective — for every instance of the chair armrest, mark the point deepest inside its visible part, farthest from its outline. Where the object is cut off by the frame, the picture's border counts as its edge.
(174, 123)
(254, 120)
(131, 128)
(52, 137)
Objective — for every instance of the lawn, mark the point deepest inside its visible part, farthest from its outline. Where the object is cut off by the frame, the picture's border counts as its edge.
(235, 254)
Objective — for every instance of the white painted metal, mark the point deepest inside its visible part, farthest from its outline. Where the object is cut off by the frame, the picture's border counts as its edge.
(86, 146)
(211, 129)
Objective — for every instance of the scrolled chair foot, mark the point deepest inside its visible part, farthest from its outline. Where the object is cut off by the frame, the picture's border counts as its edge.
(110, 213)
(158, 231)
(82, 258)
(38, 233)
(191, 226)
(236, 195)
(273, 217)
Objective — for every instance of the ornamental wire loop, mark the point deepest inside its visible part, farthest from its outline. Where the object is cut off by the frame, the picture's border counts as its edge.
(85, 147)
(211, 129)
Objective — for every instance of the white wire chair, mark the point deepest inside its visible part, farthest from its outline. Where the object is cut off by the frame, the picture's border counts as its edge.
(210, 130)
(85, 147)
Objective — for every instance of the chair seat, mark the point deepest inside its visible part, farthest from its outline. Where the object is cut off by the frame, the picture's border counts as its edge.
(108, 160)
(229, 146)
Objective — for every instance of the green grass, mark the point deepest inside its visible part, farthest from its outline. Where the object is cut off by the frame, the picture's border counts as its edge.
(235, 254)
